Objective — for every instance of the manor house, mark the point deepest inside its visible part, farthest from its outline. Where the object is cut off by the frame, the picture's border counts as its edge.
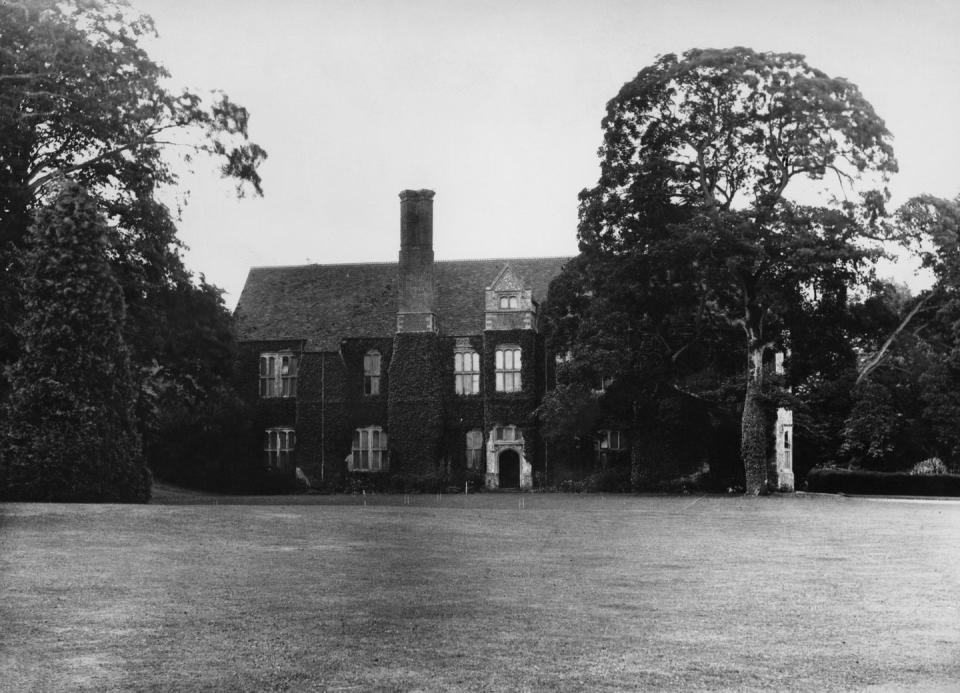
(416, 367)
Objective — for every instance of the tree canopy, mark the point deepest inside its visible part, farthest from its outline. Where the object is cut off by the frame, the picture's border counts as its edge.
(82, 98)
(698, 154)
(905, 401)
(82, 102)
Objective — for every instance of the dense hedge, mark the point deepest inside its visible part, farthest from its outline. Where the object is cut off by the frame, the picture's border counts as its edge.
(882, 483)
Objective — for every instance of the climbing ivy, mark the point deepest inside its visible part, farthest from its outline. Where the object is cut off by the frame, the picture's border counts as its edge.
(415, 404)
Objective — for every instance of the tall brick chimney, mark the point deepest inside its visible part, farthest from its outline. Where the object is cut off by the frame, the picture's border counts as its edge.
(416, 300)
(414, 386)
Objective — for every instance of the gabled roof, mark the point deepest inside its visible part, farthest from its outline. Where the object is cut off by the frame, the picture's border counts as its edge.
(507, 280)
(324, 304)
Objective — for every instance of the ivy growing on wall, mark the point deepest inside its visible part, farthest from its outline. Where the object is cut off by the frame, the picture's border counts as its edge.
(515, 408)
(415, 403)
(462, 413)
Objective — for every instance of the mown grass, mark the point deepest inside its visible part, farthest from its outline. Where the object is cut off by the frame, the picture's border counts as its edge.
(476, 592)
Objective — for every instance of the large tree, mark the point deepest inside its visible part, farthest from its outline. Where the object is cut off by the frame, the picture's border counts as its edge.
(80, 97)
(69, 425)
(698, 157)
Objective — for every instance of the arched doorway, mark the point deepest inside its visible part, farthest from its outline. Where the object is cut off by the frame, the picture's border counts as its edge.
(509, 469)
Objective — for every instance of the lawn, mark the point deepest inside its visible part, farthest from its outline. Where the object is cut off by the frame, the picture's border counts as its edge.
(482, 592)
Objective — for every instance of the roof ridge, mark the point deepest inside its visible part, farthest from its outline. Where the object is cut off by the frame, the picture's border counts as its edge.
(394, 262)
(511, 259)
(321, 264)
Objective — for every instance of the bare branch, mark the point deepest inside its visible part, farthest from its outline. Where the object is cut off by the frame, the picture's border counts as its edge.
(871, 364)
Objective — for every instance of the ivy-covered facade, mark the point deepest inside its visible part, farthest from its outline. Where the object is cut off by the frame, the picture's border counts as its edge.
(413, 369)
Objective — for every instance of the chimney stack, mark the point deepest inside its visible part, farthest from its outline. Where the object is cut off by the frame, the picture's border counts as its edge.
(416, 305)
(416, 219)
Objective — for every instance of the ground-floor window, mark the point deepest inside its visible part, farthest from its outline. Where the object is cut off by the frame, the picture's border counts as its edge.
(475, 449)
(608, 445)
(369, 450)
(610, 440)
(278, 446)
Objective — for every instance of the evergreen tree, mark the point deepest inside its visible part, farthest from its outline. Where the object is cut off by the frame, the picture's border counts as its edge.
(69, 419)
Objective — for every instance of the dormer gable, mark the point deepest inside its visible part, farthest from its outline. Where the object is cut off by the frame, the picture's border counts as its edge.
(507, 280)
(509, 303)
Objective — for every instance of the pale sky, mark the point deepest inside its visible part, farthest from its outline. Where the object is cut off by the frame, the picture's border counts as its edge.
(495, 105)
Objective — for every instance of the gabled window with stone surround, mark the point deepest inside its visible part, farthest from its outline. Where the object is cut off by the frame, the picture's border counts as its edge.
(508, 369)
(369, 450)
(466, 372)
(371, 372)
(278, 445)
(508, 303)
(278, 374)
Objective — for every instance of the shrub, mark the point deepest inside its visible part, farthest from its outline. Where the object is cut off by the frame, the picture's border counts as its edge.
(929, 466)
(700, 482)
(882, 483)
(202, 443)
(392, 482)
(612, 480)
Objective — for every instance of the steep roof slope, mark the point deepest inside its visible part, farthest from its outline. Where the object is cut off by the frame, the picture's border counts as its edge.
(326, 303)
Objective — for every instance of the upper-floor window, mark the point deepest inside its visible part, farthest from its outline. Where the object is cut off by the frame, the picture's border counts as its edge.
(475, 449)
(610, 440)
(508, 303)
(371, 373)
(507, 434)
(278, 375)
(466, 370)
(278, 446)
(369, 450)
(508, 369)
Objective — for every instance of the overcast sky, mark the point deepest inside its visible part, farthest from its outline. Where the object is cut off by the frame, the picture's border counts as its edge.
(495, 105)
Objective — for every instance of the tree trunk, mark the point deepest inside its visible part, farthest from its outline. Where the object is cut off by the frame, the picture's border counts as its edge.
(755, 428)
